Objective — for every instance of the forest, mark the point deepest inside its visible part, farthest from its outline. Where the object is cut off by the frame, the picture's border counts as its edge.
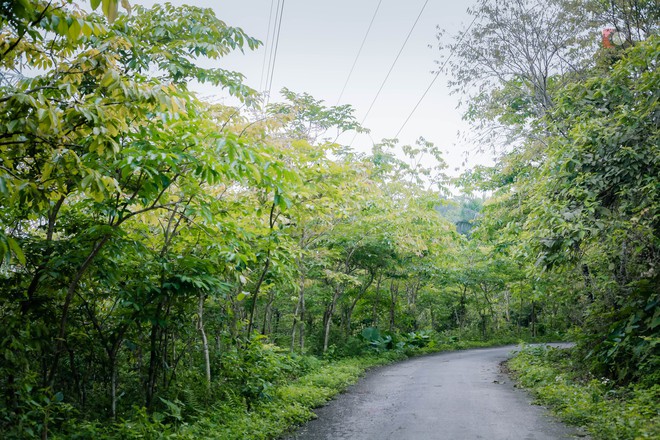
(167, 263)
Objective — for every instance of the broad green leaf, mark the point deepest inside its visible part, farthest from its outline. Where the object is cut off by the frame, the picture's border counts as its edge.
(110, 9)
(16, 250)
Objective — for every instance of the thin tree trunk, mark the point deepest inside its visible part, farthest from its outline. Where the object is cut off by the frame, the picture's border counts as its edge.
(521, 311)
(326, 332)
(113, 388)
(295, 324)
(153, 365)
(278, 315)
(328, 318)
(302, 324)
(394, 290)
(533, 319)
(351, 307)
(73, 286)
(268, 314)
(271, 223)
(205, 342)
(255, 294)
(374, 311)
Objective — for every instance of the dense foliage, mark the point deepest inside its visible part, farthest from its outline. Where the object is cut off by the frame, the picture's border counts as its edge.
(168, 264)
(557, 379)
(576, 198)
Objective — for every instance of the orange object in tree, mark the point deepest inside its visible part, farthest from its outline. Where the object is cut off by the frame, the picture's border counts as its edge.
(607, 37)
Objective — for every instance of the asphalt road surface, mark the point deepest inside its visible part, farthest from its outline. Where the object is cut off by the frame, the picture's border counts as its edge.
(460, 395)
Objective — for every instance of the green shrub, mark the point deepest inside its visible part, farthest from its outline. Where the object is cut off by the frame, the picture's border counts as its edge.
(608, 412)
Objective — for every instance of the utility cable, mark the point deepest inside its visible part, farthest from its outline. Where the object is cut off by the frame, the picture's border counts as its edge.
(359, 52)
(391, 68)
(272, 46)
(263, 63)
(435, 77)
(272, 49)
(277, 42)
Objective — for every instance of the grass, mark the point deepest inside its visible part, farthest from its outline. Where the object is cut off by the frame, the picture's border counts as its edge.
(605, 411)
(287, 404)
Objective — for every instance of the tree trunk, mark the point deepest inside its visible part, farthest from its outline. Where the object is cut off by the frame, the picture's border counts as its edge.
(71, 290)
(278, 315)
(351, 307)
(113, 388)
(586, 273)
(521, 311)
(328, 317)
(153, 365)
(484, 325)
(294, 325)
(268, 314)
(394, 290)
(301, 325)
(374, 311)
(255, 294)
(533, 319)
(205, 342)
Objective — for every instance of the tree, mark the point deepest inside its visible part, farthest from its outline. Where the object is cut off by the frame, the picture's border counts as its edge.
(599, 193)
(513, 58)
(102, 134)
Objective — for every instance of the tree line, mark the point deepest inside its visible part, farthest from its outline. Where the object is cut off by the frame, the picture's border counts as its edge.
(157, 249)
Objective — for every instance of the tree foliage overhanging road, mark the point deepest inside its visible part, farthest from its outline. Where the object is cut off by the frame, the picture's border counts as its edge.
(156, 249)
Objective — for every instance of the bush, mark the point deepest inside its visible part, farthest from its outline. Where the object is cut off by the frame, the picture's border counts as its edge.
(557, 380)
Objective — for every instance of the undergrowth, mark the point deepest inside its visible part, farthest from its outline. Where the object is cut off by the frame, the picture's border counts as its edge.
(262, 393)
(608, 412)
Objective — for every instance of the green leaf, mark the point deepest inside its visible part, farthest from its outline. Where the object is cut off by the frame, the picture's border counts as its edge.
(110, 9)
(75, 30)
(126, 5)
(16, 249)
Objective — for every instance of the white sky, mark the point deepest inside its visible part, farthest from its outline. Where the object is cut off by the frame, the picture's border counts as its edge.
(318, 43)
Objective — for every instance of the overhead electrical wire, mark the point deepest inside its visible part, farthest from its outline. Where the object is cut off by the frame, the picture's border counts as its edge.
(359, 52)
(272, 47)
(275, 46)
(435, 77)
(391, 68)
(263, 64)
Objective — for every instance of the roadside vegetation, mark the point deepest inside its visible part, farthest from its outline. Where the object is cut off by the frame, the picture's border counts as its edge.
(176, 268)
(277, 395)
(608, 411)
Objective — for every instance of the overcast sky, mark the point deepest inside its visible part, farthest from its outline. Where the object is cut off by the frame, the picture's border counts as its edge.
(318, 43)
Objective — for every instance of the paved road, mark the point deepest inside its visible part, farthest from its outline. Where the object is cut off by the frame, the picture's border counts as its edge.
(455, 396)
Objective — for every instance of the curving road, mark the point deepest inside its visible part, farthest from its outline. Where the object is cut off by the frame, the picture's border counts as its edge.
(459, 395)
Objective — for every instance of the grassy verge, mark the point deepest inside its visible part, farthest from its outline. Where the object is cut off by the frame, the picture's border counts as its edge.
(607, 412)
(287, 405)
(284, 396)
(292, 403)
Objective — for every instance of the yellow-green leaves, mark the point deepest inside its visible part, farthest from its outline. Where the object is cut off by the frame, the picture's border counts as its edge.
(110, 9)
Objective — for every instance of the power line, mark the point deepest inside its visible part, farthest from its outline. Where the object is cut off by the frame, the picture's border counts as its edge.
(272, 46)
(263, 64)
(391, 67)
(359, 52)
(435, 77)
(277, 42)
